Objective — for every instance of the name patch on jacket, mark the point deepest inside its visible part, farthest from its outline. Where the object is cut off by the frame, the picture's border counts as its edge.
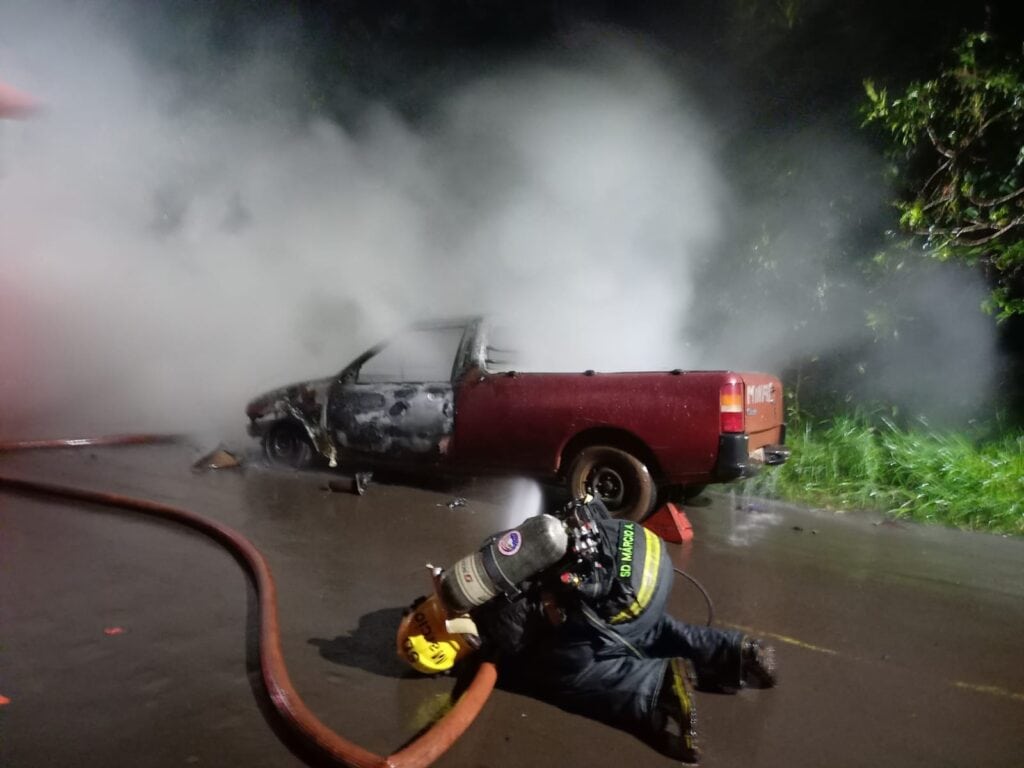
(638, 560)
(626, 551)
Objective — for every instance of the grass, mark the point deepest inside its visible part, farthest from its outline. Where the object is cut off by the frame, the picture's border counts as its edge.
(854, 462)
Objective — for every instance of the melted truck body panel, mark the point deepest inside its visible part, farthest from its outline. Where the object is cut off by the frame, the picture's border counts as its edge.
(391, 419)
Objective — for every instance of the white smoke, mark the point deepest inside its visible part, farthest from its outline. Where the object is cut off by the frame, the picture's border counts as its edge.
(807, 292)
(166, 256)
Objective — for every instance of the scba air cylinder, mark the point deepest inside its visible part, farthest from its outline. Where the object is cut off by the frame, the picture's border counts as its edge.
(504, 562)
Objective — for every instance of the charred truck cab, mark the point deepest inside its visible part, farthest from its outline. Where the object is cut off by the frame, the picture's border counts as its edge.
(435, 397)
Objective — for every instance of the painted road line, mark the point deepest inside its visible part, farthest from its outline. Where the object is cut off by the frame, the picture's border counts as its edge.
(782, 639)
(991, 690)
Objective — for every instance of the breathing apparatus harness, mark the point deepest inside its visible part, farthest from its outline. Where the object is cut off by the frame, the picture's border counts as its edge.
(565, 555)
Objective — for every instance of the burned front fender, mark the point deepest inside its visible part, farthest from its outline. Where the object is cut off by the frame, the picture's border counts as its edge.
(309, 397)
(305, 403)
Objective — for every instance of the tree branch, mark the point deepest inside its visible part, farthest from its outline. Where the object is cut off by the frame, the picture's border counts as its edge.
(953, 232)
(956, 233)
(942, 167)
(998, 200)
(938, 144)
(997, 234)
(937, 201)
(987, 123)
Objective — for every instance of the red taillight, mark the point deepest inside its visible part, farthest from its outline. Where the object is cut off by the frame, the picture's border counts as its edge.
(730, 406)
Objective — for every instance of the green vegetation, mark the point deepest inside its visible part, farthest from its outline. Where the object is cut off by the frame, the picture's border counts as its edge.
(854, 462)
(945, 108)
(956, 143)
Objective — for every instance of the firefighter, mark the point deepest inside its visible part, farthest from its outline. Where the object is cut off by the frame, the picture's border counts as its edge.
(589, 632)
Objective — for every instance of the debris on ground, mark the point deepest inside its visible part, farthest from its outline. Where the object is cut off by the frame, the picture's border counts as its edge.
(890, 524)
(217, 459)
(458, 501)
(358, 484)
(360, 481)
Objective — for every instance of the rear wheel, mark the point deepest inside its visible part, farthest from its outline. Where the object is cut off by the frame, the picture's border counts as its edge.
(287, 444)
(619, 478)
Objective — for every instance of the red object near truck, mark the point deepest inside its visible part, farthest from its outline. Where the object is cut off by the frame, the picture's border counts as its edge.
(439, 396)
(15, 103)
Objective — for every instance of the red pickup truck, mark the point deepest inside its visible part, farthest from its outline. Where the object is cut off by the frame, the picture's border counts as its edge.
(439, 396)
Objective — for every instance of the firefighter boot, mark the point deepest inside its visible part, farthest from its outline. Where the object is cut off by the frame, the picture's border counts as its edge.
(674, 720)
(757, 663)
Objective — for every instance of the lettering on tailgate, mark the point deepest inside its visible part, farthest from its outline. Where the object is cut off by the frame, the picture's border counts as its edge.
(760, 393)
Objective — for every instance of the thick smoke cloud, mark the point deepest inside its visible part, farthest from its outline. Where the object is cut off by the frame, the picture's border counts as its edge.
(174, 242)
(166, 256)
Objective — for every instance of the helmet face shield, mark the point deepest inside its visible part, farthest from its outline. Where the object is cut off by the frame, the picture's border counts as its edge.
(424, 641)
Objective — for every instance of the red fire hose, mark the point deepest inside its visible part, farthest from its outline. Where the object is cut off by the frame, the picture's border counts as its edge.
(421, 752)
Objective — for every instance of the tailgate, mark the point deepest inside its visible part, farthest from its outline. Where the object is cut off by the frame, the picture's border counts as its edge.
(763, 409)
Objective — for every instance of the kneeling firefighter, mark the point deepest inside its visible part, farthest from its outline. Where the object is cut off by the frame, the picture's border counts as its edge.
(571, 607)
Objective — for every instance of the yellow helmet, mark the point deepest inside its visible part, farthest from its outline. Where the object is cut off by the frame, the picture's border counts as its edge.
(431, 643)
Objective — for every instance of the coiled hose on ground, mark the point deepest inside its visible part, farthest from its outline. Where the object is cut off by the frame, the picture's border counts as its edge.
(422, 751)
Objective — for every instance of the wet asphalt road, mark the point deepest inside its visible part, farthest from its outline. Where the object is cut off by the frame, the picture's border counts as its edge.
(899, 645)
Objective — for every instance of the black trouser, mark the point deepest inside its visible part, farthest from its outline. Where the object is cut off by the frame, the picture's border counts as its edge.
(614, 672)
(587, 672)
(715, 653)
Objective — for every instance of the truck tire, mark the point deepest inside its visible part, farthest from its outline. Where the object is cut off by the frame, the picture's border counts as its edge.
(287, 444)
(621, 480)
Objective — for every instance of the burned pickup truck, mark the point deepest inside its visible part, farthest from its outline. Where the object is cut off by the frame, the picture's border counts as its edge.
(436, 397)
